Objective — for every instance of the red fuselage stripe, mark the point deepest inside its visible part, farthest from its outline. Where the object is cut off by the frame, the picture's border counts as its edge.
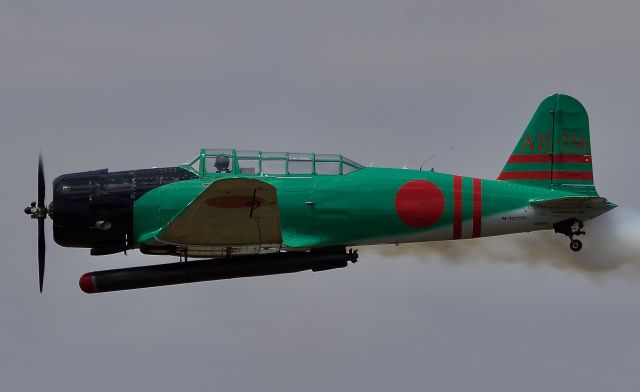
(546, 175)
(477, 207)
(547, 158)
(457, 207)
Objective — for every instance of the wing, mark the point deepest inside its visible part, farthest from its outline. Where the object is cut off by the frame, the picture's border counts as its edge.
(238, 216)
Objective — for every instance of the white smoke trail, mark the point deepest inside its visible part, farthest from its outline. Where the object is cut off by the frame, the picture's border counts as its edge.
(612, 244)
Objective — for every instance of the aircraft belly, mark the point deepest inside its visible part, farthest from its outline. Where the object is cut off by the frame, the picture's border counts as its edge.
(508, 222)
(515, 221)
(520, 220)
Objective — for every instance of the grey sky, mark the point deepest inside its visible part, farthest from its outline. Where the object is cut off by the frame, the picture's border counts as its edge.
(134, 84)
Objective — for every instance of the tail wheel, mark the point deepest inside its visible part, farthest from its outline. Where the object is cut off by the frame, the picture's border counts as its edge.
(575, 245)
(571, 227)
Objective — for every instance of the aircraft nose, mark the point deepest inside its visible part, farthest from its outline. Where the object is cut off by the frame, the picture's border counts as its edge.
(89, 211)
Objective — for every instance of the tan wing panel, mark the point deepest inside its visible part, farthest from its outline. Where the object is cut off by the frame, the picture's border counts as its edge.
(229, 212)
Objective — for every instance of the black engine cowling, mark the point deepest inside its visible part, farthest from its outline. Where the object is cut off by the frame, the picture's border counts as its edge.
(94, 209)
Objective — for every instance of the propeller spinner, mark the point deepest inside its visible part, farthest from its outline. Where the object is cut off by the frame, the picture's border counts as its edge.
(38, 210)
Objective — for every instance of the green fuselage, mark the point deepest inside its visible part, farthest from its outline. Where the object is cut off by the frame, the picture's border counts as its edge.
(369, 206)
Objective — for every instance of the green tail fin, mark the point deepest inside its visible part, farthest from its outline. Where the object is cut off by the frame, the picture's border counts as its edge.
(555, 149)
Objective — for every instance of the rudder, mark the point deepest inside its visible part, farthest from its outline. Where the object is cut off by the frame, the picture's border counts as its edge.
(555, 149)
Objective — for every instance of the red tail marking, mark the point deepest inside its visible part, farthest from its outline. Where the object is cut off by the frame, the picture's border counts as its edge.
(546, 158)
(457, 207)
(477, 207)
(546, 175)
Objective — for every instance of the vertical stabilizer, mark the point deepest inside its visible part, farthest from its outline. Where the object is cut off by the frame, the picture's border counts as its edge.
(555, 149)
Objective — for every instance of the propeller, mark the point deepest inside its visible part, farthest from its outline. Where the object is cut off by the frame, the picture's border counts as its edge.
(38, 210)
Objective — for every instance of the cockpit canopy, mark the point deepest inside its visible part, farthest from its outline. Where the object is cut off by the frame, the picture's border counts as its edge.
(259, 163)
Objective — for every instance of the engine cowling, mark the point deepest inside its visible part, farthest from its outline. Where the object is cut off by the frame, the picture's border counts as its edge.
(94, 209)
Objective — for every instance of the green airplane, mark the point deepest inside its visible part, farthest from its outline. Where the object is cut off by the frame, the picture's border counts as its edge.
(250, 213)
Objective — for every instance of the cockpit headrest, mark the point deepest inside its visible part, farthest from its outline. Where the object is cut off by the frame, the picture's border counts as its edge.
(222, 163)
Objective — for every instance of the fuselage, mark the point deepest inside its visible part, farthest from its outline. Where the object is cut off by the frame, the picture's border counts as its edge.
(113, 212)
(377, 206)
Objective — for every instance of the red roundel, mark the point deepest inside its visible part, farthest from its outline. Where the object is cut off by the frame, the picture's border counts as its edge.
(419, 203)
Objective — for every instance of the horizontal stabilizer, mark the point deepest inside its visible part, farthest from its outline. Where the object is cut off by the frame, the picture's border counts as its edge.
(573, 202)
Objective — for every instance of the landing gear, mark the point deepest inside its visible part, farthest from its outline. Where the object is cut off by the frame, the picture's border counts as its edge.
(575, 245)
(571, 227)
